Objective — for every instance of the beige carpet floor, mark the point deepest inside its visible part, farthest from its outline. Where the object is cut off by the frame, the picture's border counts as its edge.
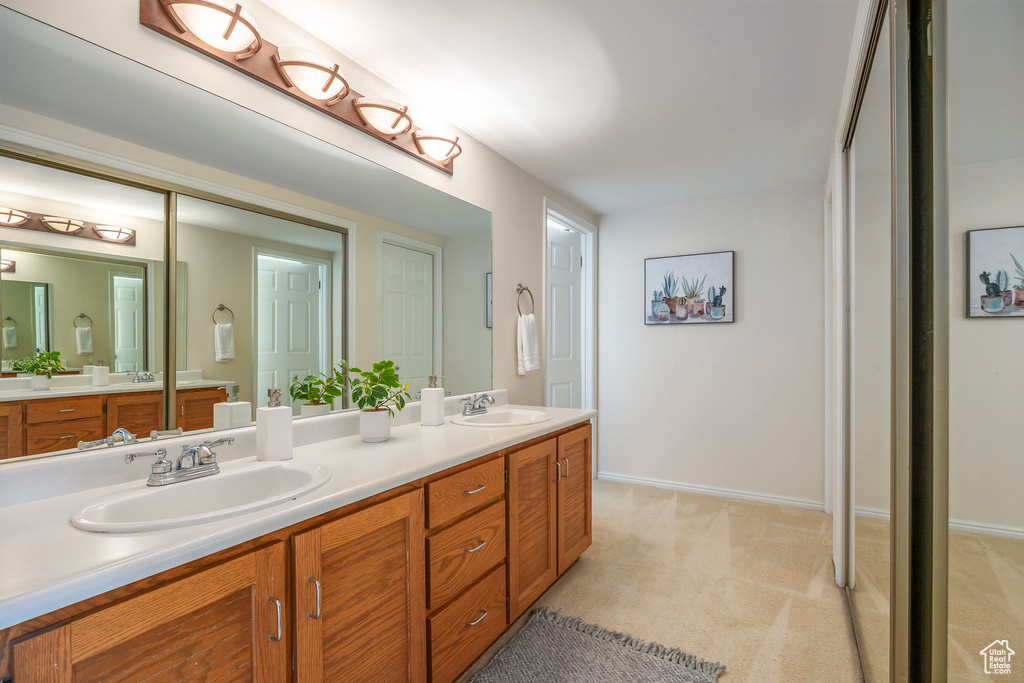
(745, 584)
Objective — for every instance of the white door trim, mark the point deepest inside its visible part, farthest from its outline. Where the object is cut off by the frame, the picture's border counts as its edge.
(384, 237)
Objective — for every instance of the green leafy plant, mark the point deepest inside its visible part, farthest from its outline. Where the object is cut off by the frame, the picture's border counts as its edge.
(1020, 272)
(18, 364)
(671, 285)
(44, 363)
(716, 299)
(321, 388)
(994, 288)
(378, 389)
(691, 290)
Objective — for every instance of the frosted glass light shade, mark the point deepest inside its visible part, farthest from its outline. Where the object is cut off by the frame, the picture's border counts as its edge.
(12, 216)
(440, 148)
(384, 116)
(114, 233)
(65, 225)
(314, 75)
(7, 265)
(218, 23)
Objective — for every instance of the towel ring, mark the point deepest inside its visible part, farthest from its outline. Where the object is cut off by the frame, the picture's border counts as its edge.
(81, 315)
(222, 307)
(14, 323)
(519, 299)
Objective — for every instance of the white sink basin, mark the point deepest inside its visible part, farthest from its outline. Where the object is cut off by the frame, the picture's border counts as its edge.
(239, 488)
(511, 417)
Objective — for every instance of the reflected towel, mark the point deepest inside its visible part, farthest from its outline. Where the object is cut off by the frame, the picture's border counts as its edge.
(529, 349)
(11, 337)
(223, 342)
(83, 340)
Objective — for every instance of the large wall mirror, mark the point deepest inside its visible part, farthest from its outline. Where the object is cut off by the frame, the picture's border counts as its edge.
(396, 270)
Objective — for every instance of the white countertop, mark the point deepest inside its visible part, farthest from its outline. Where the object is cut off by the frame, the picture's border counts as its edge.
(48, 564)
(119, 388)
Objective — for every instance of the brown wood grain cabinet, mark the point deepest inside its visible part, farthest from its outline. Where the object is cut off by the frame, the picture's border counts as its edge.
(139, 413)
(574, 491)
(195, 407)
(11, 432)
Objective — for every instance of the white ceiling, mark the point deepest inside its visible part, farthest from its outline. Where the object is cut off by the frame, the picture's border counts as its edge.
(621, 105)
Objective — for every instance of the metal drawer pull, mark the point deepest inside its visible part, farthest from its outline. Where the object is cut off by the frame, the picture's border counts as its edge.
(566, 467)
(317, 615)
(473, 550)
(559, 466)
(67, 436)
(277, 638)
(474, 623)
(476, 490)
(66, 410)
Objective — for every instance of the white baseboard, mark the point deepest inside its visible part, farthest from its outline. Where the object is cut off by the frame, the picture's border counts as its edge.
(1000, 530)
(767, 498)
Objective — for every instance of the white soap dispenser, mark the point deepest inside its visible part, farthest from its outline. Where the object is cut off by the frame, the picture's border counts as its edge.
(432, 403)
(274, 429)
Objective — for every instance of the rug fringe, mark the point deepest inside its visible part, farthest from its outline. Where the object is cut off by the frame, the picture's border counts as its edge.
(674, 655)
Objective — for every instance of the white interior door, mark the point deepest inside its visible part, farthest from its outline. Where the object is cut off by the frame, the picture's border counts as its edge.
(288, 324)
(129, 324)
(564, 318)
(407, 312)
(40, 315)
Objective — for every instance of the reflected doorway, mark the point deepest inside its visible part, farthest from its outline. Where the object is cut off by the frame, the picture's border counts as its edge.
(129, 316)
(409, 281)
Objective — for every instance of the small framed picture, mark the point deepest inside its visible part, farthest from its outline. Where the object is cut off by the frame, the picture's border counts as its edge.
(490, 302)
(995, 273)
(691, 289)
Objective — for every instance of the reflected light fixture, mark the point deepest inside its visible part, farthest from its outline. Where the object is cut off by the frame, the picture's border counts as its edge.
(113, 233)
(222, 25)
(384, 116)
(437, 147)
(12, 216)
(7, 265)
(65, 225)
(315, 76)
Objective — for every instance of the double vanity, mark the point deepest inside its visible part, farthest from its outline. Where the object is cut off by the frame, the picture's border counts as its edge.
(400, 561)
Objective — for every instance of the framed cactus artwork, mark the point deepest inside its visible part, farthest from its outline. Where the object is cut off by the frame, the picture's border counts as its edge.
(690, 289)
(995, 273)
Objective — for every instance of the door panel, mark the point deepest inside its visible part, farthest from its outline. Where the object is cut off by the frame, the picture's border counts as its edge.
(532, 524)
(574, 491)
(129, 349)
(565, 319)
(407, 330)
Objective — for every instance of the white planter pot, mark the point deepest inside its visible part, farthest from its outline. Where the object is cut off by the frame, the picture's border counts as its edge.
(39, 382)
(313, 410)
(374, 425)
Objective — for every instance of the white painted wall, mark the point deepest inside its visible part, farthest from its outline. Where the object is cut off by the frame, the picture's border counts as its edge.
(727, 408)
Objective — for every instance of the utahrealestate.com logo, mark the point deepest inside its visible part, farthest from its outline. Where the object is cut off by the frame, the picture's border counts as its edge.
(997, 657)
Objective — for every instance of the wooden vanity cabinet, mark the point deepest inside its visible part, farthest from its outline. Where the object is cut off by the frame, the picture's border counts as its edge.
(195, 407)
(574, 491)
(139, 413)
(360, 596)
(11, 435)
(228, 621)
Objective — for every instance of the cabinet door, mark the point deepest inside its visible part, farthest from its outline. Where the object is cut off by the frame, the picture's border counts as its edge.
(195, 407)
(574, 516)
(140, 414)
(11, 436)
(361, 596)
(532, 524)
(219, 624)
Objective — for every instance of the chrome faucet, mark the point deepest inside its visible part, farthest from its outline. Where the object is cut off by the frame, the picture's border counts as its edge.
(193, 463)
(475, 404)
(143, 376)
(126, 438)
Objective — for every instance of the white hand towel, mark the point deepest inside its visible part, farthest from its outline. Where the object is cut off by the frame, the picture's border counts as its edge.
(10, 337)
(529, 349)
(223, 342)
(83, 340)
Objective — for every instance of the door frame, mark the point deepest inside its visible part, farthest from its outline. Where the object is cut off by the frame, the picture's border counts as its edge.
(396, 240)
(111, 274)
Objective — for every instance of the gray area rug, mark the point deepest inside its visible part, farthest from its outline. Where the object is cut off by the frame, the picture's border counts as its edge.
(553, 647)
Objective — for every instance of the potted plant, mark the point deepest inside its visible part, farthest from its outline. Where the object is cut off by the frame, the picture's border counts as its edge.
(715, 303)
(668, 295)
(992, 300)
(317, 392)
(378, 393)
(1018, 289)
(692, 290)
(42, 367)
(655, 302)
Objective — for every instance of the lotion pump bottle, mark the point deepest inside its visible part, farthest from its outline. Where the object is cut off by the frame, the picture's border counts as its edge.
(274, 429)
(432, 403)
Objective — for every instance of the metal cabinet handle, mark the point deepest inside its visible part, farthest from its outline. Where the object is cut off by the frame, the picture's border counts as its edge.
(559, 466)
(66, 410)
(277, 638)
(476, 490)
(566, 467)
(474, 623)
(317, 615)
(473, 550)
(67, 436)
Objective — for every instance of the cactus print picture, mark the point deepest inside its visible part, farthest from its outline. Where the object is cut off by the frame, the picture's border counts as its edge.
(995, 273)
(685, 290)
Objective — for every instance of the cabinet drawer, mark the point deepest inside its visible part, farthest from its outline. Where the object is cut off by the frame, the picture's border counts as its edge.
(459, 555)
(462, 631)
(56, 436)
(459, 493)
(64, 409)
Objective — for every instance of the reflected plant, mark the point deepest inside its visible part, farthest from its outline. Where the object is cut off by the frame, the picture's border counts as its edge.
(44, 363)
(320, 389)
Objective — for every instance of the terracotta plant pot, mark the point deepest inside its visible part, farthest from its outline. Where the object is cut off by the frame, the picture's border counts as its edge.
(695, 307)
(1018, 296)
(374, 425)
(671, 303)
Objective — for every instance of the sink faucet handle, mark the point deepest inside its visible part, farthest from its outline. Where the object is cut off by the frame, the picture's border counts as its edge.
(161, 465)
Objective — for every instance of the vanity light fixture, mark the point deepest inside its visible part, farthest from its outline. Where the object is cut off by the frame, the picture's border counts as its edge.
(7, 265)
(66, 225)
(222, 25)
(12, 216)
(315, 76)
(113, 233)
(437, 147)
(384, 116)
